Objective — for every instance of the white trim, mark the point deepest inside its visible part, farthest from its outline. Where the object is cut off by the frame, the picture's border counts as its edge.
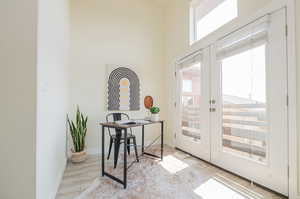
(292, 109)
(292, 83)
(60, 178)
(190, 60)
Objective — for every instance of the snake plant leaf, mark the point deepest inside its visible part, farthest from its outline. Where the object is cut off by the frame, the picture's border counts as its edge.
(78, 129)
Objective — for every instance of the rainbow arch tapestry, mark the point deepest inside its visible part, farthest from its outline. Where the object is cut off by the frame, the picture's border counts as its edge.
(123, 90)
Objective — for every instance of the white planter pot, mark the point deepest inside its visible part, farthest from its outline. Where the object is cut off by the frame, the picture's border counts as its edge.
(155, 117)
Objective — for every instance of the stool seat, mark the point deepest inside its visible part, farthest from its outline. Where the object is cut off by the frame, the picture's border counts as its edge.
(122, 136)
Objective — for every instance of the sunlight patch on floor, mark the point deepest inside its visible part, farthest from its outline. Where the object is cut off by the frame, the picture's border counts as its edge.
(214, 188)
(234, 185)
(172, 164)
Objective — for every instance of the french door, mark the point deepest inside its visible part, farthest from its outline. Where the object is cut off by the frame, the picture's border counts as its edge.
(193, 114)
(233, 109)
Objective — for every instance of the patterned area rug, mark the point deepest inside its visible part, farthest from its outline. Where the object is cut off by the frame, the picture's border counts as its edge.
(179, 176)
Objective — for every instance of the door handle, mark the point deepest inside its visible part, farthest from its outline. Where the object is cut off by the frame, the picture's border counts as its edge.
(212, 110)
(212, 101)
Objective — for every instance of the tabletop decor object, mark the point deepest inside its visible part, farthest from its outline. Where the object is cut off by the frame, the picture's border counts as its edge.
(148, 103)
(78, 131)
(154, 114)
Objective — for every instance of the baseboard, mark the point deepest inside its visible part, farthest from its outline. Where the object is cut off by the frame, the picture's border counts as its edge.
(93, 151)
(60, 178)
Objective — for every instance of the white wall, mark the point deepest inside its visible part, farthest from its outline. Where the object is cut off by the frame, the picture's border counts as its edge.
(114, 32)
(17, 98)
(127, 32)
(246, 7)
(177, 43)
(52, 95)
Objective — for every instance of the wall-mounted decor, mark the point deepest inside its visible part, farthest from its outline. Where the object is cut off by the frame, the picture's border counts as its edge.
(123, 89)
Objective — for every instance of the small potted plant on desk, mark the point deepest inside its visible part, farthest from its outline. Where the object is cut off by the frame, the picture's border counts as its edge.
(78, 132)
(154, 114)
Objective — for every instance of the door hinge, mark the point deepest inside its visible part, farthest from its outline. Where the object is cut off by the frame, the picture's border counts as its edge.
(288, 170)
(175, 74)
(286, 30)
(175, 104)
(175, 135)
(287, 100)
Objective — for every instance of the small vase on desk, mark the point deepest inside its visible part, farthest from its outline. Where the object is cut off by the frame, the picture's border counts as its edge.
(155, 117)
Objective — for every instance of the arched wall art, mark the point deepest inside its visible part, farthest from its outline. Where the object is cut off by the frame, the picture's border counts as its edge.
(123, 90)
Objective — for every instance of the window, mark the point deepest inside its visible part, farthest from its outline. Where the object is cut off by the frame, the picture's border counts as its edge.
(209, 15)
(242, 56)
(187, 85)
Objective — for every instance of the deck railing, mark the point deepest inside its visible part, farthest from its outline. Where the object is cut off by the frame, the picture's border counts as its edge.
(245, 130)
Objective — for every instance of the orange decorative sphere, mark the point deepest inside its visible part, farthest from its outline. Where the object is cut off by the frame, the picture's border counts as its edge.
(148, 102)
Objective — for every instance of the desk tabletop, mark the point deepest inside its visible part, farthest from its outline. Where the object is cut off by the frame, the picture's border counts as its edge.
(125, 126)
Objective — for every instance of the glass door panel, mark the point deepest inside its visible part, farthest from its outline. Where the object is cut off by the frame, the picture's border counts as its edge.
(245, 126)
(190, 102)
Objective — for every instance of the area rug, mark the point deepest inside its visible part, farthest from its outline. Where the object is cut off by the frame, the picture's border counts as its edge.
(149, 179)
(179, 176)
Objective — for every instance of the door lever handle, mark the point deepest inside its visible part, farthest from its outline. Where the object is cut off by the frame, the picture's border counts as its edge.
(212, 101)
(212, 110)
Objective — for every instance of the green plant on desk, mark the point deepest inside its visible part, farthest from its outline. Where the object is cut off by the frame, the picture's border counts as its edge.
(154, 110)
(155, 116)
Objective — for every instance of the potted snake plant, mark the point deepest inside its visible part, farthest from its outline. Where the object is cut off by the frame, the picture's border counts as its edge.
(78, 129)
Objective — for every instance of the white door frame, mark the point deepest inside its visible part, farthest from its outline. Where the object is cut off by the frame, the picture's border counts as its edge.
(292, 80)
(292, 91)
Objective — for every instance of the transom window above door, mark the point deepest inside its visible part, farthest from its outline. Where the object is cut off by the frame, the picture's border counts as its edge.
(206, 16)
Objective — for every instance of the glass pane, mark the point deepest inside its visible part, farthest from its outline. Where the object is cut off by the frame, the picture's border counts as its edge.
(244, 104)
(190, 98)
(216, 18)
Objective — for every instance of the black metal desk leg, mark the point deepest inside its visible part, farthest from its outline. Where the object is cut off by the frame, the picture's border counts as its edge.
(143, 129)
(103, 153)
(125, 159)
(162, 141)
